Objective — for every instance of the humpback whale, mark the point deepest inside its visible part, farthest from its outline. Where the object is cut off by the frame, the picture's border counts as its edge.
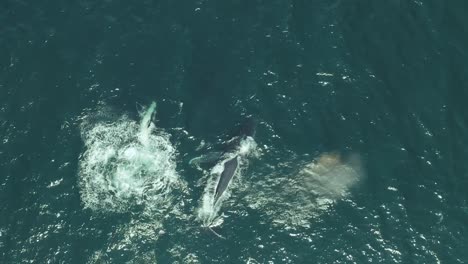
(226, 162)
(247, 129)
(230, 154)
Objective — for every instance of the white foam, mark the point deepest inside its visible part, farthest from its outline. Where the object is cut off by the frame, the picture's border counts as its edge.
(129, 167)
(248, 147)
(126, 164)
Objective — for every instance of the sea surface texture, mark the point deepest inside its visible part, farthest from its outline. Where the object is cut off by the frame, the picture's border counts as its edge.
(343, 124)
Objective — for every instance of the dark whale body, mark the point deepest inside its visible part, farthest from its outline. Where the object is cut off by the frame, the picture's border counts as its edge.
(230, 168)
(246, 129)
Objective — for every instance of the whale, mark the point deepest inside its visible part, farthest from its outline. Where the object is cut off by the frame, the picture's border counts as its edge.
(247, 129)
(226, 161)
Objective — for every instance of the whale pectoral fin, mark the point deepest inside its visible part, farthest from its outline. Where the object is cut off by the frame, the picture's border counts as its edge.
(215, 233)
(207, 159)
(140, 109)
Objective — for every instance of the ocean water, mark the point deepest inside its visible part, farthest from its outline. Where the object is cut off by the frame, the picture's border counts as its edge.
(113, 117)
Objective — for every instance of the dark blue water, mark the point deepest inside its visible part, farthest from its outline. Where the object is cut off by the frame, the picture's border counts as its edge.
(359, 154)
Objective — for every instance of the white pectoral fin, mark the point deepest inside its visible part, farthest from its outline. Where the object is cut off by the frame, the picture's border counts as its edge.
(211, 157)
(215, 233)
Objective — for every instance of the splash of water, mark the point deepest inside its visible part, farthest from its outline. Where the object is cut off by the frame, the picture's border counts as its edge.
(127, 165)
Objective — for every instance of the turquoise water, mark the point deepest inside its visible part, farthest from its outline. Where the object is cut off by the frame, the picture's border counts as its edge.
(359, 154)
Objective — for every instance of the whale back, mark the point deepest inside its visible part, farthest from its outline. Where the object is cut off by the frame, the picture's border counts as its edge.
(230, 167)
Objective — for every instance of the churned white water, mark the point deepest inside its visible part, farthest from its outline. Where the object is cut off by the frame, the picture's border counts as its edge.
(127, 165)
